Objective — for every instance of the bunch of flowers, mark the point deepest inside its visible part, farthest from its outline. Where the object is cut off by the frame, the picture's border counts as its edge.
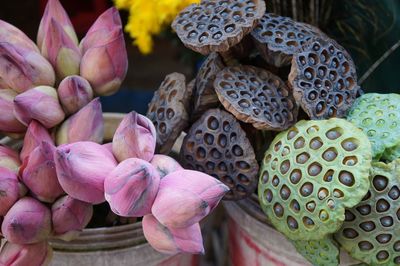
(49, 186)
(149, 18)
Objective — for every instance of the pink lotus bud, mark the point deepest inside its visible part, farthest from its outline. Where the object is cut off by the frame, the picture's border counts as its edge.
(82, 168)
(35, 135)
(9, 159)
(74, 92)
(108, 146)
(185, 197)
(38, 254)
(131, 188)
(61, 51)
(86, 125)
(135, 138)
(41, 104)
(38, 173)
(69, 217)
(165, 164)
(100, 30)
(27, 222)
(172, 241)
(105, 63)
(10, 190)
(54, 10)
(14, 36)
(8, 121)
(23, 69)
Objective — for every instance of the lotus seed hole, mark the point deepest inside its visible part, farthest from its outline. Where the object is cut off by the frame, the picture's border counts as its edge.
(306, 189)
(330, 154)
(316, 143)
(302, 158)
(346, 178)
(295, 176)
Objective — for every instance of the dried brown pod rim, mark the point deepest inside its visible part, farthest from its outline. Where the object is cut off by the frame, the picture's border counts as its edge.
(277, 38)
(254, 95)
(167, 111)
(324, 80)
(215, 26)
(218, 146)
(205, 96)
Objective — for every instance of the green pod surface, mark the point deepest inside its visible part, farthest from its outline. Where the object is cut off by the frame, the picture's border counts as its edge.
(324, 252)
(311, 173)
(378, 115)
(371, 231)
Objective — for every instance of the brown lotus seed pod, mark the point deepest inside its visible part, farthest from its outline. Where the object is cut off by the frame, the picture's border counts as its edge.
(254, 95)
(324, 79)
(167, 111)
(278, 38)
(215, 26)
(218, 146)
(205, 96)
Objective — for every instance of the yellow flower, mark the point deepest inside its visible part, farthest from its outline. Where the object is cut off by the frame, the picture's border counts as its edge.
(149, 17)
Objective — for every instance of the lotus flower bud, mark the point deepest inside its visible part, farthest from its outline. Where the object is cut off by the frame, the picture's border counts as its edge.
(185, 197)
(104, 46)
(135, 138)
(10, 190)
(54, 10)
(8, 121)
(41, 104)
(9, 159)
(23, 69)
(61, 51)
(27, 222)
(165, 164)
(14, 36)
(100, 30)
(38, 173)
(38, 254)
(35, 135)
(172, 241)
(1, 234)
(108, 146)
(69, 217)
(82, 168)
(86, 125)
(74, 92)
(131, 188)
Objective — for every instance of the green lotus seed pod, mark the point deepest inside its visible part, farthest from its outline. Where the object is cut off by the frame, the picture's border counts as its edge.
(391, 154)
(324, 252)
(371, 231)
(311, 173)
(378, 115)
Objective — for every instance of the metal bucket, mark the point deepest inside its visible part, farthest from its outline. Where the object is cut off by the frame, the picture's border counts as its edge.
(252, 241)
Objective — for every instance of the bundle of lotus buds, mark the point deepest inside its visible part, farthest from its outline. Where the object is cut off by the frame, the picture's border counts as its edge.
(49, 186)
(317, 180)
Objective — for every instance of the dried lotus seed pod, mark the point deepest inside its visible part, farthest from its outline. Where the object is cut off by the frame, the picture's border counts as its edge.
(205, 96)
(215, 26)
(278, 38)
(324, 252)
(311, 173)
(167, 111)
(217, 145)
(324, 79)
(378, 115)
(371, 230)
(254, 95)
